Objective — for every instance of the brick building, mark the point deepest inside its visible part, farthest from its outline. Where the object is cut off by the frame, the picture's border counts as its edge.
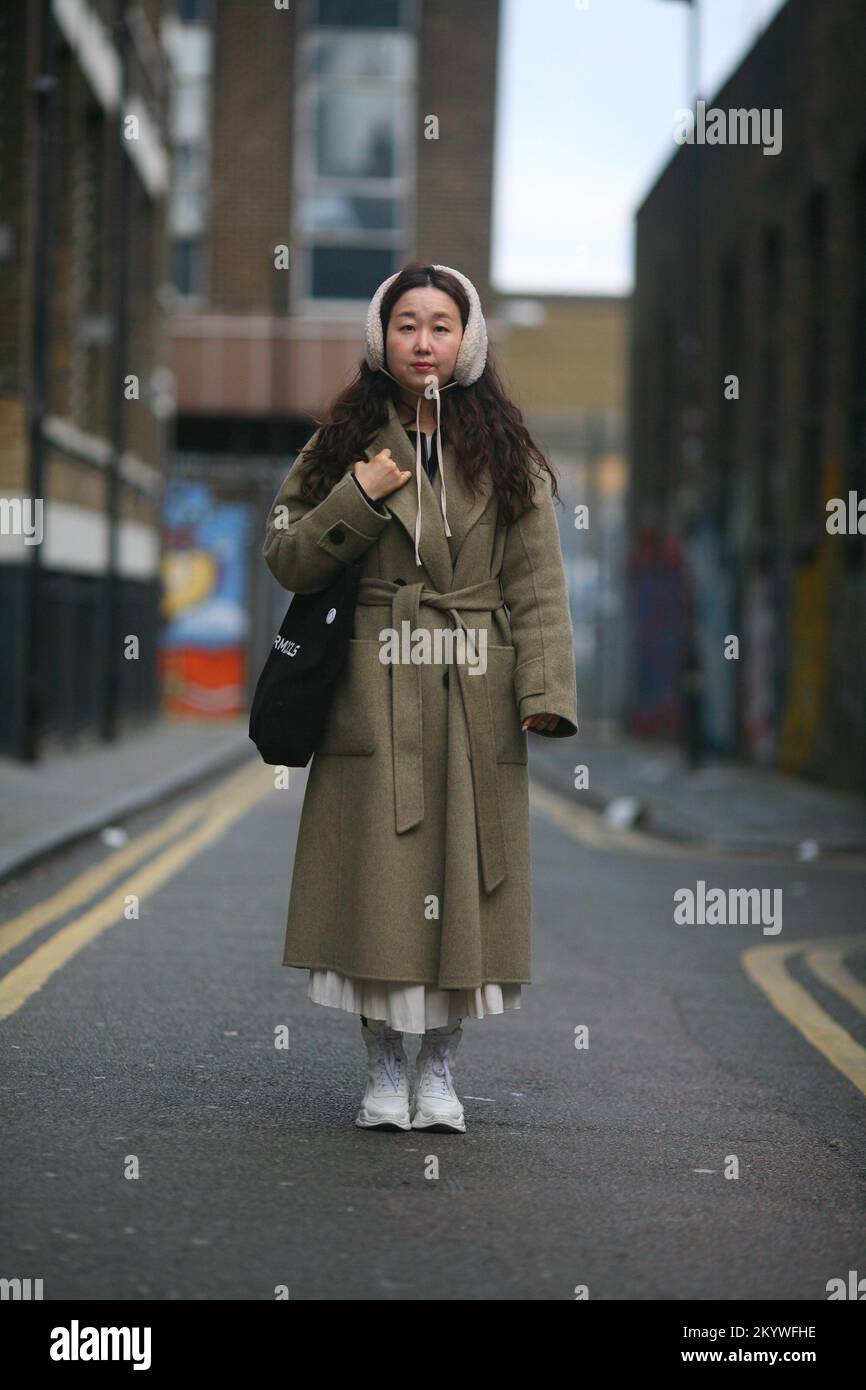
(334, 141)
(731, 479)
(84, 170)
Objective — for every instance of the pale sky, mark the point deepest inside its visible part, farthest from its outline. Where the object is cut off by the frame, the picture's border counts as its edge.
(586, 101)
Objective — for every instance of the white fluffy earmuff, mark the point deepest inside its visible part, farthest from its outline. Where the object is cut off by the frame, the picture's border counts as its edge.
(472, 354)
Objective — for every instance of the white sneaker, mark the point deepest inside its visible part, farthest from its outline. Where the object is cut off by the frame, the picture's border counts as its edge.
(386, 1099)
(435, 1102)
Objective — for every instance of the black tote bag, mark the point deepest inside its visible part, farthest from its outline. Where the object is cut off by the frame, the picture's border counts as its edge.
(295, 690)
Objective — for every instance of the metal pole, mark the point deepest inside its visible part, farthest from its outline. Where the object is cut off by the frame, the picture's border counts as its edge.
(111, 635)
(45, 90)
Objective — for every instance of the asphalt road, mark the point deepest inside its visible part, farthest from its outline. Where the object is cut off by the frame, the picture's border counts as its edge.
(156, 1144)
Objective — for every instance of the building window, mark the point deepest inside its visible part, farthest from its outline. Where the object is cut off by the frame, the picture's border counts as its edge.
(354, 152)
(188, 190)
(186, 266)
(337, 272)
(346, 212)
(190, 121)
(194, 11)
(360, 14)
(356, 132)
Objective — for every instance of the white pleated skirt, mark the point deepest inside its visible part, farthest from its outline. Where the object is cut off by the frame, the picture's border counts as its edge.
(413, 1008)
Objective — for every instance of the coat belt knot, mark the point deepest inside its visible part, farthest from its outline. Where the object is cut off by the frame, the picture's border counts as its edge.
(406, 712)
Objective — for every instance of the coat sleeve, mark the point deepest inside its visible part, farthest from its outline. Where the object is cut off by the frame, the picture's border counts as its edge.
(534, 587)
(306, 545)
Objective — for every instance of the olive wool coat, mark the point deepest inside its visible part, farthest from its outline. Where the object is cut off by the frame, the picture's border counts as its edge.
(413, 855)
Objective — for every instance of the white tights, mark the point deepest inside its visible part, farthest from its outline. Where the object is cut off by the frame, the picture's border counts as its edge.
(441, 1032)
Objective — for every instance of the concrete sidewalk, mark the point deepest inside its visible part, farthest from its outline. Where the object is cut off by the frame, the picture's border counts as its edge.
(68, 795)
(726, 805)
(721, 804)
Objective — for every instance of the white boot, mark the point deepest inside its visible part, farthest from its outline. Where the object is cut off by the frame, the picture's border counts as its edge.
(386, 1099)
(435, 1103)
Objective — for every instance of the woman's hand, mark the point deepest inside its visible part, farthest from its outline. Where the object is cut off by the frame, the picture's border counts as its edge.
(540, 721)
(380, 475)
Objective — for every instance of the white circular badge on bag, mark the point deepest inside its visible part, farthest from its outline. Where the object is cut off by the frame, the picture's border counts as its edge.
(332, 613)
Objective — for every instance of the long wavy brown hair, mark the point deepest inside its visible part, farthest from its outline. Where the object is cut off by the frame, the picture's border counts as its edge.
(485, 428)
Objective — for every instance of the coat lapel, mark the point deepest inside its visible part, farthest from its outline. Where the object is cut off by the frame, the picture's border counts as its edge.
(438, 552)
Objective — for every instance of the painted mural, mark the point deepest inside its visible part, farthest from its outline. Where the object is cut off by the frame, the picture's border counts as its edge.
(204, 637)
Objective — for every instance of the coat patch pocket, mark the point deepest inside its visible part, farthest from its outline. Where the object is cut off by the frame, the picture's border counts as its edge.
(511, 741)
(359, 703)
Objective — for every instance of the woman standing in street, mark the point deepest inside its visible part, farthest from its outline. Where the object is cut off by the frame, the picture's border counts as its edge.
(411, 900)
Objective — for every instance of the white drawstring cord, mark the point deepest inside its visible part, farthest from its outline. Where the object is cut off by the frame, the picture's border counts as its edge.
(435, 382)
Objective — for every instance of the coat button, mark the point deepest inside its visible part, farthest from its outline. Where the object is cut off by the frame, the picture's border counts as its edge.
(337, 536)
(445, 678)
(398, 581)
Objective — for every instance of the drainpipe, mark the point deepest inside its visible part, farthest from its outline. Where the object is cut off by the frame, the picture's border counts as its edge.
(45, 91)
(111, 634)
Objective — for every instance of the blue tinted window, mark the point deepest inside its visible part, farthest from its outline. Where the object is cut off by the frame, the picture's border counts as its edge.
(186, 266)
(194, 11)
(350, 272)
(360, 14)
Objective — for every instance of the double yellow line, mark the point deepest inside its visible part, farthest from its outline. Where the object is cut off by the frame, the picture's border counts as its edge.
(586, 825)
(216, 812)
(766, 964)
(767, 967)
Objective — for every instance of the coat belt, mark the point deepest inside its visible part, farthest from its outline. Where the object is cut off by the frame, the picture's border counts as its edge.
(406, 715)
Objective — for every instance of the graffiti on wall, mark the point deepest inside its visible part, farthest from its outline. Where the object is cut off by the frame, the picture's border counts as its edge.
(656, 620)
(203, 645)
(808, 654)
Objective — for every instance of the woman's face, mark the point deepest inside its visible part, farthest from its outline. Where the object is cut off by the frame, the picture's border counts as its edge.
(425, 328)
